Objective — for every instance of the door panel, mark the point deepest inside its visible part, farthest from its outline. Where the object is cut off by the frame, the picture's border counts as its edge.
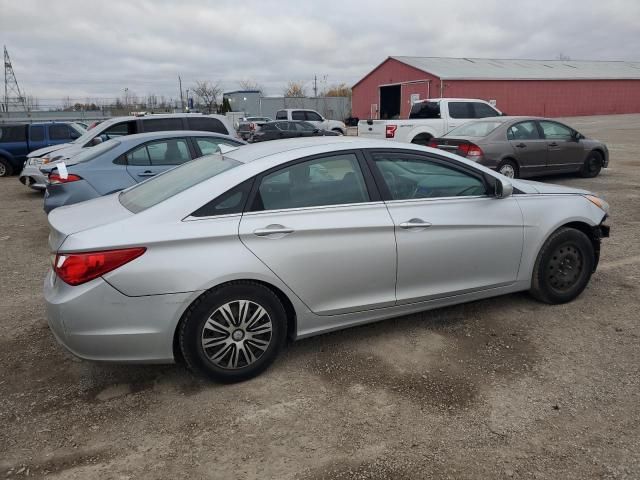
(564, 152)
(529, 148)
(467, 244)
(336, 259)
(155, 157)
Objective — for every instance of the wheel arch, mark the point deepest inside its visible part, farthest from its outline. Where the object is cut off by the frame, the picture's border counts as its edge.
(292, 317)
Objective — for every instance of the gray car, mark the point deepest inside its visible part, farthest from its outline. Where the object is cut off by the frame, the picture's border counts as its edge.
(520, 147)
(121, 162)
(219, 260)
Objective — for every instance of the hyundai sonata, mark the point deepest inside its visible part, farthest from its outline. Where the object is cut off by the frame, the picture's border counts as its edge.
(221, 259)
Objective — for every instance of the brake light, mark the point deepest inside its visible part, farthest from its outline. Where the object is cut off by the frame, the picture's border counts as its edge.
(252, 126)
(55, 178)
(433, 143)
(78, 268)
(470, 150)
(390, 131)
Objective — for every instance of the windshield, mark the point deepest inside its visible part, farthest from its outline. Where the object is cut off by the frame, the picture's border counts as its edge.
(474, 129)
(94, 132)
(170, 183)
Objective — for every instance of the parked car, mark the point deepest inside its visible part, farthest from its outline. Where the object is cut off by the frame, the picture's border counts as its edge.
(118, 127)
(279, 130)
(313, 118)
(221, 259)
(249, 125)
(428, 119)
(18, 139)
(526, 146)
(121, 162)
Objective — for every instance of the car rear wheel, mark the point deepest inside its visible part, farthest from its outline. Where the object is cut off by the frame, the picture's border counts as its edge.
(592, 165)
(422, 139)
(5, 168)
(509, 169)
(233, 333)
(563, 267)
(338, 131)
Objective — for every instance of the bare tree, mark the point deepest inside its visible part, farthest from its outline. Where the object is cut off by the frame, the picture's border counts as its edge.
(207, 94)
(294, 89)
(248, 84)
(341, 90)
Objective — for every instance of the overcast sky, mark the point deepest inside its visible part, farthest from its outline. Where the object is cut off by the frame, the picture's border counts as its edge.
(88, 48)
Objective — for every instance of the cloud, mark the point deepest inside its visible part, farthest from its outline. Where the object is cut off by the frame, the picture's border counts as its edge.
(96, 49)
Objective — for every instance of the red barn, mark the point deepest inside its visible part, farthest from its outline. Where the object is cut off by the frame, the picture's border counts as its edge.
(550, 88)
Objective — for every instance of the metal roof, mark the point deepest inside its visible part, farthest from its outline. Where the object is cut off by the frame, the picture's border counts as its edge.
(501, 69)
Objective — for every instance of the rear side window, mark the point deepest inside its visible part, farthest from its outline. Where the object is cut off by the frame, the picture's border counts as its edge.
(228, 203)
(162, 124)
(312, 116)
(59, 132)
(555, 131)
(281, 115)
(15, 133)
(523, 131)
(298, 115)
(37, 134)
(171, 182)
(283, 126)
(460, 110)
(207, 125)
(425, 110)
(482, 110)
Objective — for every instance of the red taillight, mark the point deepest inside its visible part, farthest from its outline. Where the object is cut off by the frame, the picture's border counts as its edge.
(78, 268)
(469, 150)
(433, 143)
(390, 131)
(55, 178)
(252, 126)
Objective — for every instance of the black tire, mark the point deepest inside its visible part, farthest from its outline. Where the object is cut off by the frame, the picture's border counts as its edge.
(422, 139)
(592, 165)
(6, 169)
(337, 130)
(563, 267)
(191, 336)
(509, 166)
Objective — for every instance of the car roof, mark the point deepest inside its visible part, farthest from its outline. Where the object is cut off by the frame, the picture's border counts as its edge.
(141, 137)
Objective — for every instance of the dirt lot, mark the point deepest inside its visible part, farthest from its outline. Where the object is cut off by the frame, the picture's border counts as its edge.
(499, 388)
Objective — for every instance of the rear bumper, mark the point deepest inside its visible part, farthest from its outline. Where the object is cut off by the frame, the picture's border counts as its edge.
(96, 322)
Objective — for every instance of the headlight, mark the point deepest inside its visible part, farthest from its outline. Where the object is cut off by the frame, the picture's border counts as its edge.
(598, 202)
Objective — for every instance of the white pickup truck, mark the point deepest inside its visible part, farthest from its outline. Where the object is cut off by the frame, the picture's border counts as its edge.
(313, 118)
(428, 119)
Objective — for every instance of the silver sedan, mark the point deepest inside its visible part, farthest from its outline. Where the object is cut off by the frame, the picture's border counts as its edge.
(222, 259)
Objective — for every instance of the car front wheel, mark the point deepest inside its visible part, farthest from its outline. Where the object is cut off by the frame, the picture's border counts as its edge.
(233, 333)
(592, 165)
(563, 267)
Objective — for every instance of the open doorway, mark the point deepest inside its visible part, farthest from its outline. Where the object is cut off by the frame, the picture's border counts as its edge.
(390, 102)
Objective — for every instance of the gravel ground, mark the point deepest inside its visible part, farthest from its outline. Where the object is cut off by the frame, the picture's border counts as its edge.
(500, 388)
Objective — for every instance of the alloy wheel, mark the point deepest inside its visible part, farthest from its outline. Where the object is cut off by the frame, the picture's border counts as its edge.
(237, 334)
(565, 267)
(508, 171)
(3, 170)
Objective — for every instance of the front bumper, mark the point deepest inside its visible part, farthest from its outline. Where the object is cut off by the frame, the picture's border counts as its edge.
(96, 322)
(32, 177)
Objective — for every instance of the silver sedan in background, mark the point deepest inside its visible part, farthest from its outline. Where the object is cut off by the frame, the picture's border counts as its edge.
(221, 259)
(520, 147)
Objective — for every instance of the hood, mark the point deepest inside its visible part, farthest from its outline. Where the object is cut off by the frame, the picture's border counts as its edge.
(43, 151)
(529, 186)
(70, 219)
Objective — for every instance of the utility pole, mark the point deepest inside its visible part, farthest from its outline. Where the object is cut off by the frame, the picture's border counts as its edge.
(11, 85)
(315, 86)
(181, 99)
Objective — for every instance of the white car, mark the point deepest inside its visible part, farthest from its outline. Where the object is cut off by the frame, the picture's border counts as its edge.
(428, 119)
(313, 118)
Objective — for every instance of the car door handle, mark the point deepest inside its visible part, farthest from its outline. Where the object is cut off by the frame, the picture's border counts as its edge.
(414, 223)
(272, 230)
(148, 173)
(553, 144)
(521, 145)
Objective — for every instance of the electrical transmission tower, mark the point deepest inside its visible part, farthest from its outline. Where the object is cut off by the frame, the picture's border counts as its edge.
(13, 99)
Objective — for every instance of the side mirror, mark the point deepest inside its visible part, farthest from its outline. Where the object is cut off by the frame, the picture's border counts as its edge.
(577, 136)
(96, 141)
(503, 188)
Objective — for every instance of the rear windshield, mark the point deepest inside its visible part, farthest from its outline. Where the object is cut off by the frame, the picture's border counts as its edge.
(425, 110)
(87, 154)
(170, 183)
(474, 129)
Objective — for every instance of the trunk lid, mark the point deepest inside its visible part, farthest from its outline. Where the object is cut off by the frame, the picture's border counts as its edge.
(373, 128)
(451, 145)
(65, 221)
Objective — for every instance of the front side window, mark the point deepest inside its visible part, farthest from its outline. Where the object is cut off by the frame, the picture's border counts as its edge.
(162, 124)
(460, 110)
(59, 132)
(482, 110)
(333, 180)
(297, 115)
(555, 131)
(37, 134)
(312, 116)
(281, 115)
(171, 182)
(523, 131)
(410, 176)
(212, 145)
